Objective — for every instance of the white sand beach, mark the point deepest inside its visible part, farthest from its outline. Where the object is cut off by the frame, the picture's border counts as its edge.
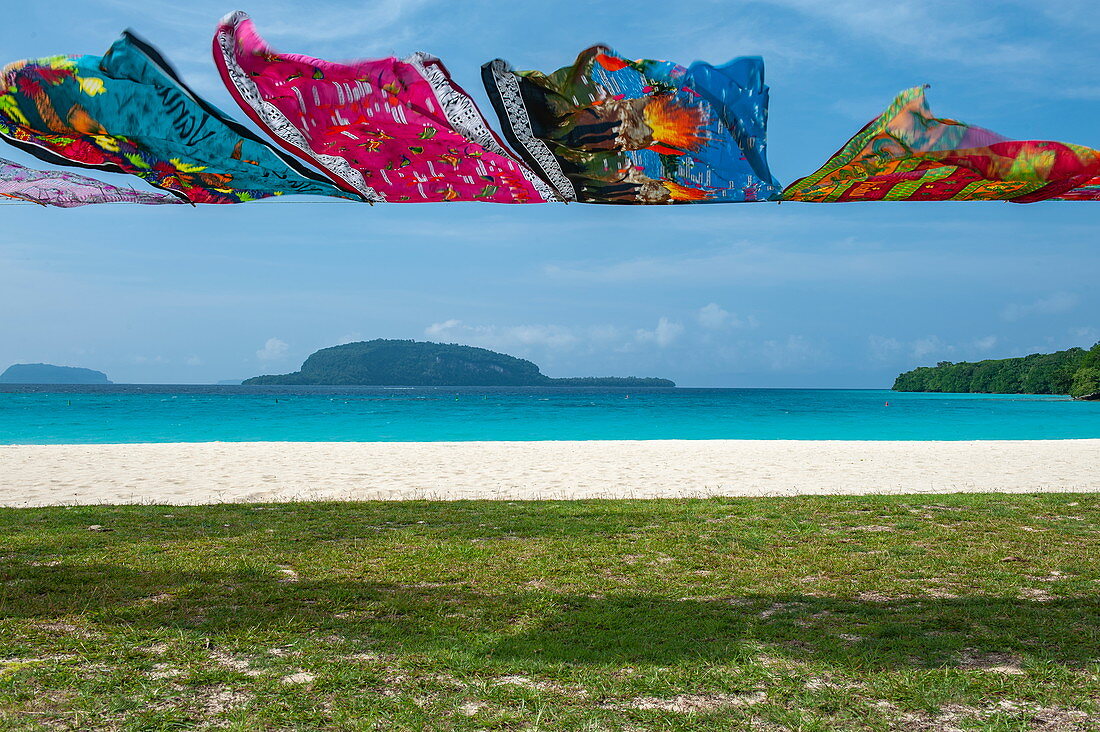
(196, 473)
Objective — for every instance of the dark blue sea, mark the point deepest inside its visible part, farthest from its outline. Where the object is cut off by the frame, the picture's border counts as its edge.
(144, 413)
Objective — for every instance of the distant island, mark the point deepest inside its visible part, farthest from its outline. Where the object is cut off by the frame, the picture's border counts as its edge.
(44, 373)
(413, 363)
(1075, 372)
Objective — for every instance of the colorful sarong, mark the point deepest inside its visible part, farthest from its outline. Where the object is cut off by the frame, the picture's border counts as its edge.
(906, 154)
(386, 129)
(610, 130)
(128, 112)
(67, 190)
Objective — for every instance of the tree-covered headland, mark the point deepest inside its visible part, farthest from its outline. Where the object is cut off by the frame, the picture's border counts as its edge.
(1075, 372)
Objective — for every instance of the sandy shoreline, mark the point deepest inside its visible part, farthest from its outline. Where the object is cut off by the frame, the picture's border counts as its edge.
(192, 473)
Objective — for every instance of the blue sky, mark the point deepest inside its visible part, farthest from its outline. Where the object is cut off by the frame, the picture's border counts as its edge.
(733, 295)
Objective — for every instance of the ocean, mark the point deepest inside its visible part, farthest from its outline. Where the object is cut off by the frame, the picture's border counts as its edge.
(145, 413)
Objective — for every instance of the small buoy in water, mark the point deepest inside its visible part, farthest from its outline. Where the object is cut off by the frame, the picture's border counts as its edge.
(887, 403)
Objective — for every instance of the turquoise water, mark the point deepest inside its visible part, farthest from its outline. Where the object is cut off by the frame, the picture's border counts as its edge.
(126, 414)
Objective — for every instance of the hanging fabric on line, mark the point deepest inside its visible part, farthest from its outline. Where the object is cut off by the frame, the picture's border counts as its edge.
(611, 130)
(386, 129)
(66, 190)
(129, 112)
(907, 154)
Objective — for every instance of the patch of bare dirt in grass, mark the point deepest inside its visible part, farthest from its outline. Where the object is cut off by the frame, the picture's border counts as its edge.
(938, 593)
(240, 665)
(778, 607)
(527, 683)
(1058, 719)
(832, 683)
(164, 671)
(1036, 594)
(782, 664)
(49, 708)
(216, 700)
(1000, 663)
(690, 703)
(158, 599)
(207, 701)
(879, 597)
(11, 662)
(298, 677)
(471, 708)
(1050, 577)
(60, 628)
(958, 717)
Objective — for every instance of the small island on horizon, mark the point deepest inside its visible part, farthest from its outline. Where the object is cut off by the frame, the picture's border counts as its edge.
(45, 373)
(384, 362)
(1075, 372)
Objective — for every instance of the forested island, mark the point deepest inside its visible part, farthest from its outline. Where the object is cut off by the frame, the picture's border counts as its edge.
(414, 363)
(1075, 372)
(45, 373)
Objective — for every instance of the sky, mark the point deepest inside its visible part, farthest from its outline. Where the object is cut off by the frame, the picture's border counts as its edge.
(749, 295)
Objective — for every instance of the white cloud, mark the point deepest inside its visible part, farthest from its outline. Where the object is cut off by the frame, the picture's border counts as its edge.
(893, 350)
(752, 263)
(273, 350)
(884, 349)
(986, 344)
(194, 361)
(715, 317)
(666, 332)
(972, 39)
(556, 337)
(931, 345)
(438, 330)
(1054, 304)
(1087, 334)
(793, 353)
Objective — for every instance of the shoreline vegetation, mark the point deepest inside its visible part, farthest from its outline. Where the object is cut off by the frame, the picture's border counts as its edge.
(413, 363)
(1075, 372)
(811, 613)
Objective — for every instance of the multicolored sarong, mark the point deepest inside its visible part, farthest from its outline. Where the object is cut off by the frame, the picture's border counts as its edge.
(386, 129)
(610, 130)
(128, 112)
(906, 154)
(66, 190)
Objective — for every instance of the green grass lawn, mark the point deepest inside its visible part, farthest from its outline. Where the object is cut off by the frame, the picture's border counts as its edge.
(910, 612)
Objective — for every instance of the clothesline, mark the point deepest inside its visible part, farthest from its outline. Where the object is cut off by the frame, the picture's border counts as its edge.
(604, 129)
